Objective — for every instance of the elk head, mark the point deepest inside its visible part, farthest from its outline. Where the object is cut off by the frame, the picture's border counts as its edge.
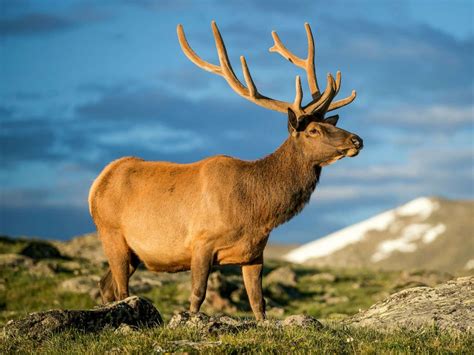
(317, 136)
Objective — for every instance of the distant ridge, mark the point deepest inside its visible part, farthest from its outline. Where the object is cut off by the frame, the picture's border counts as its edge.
(427, 232)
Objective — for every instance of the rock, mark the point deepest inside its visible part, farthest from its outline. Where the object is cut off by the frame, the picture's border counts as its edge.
(42, 269)
(279, 285)
(303, 321)
(219, 293)
(207, 324)
(125, 329)
(15, 261)
(280, 293)
(86, 247)
(332, 300)
(449, 307)
(132, 311)
(144, 281)
(188, 319)
(323, 276)
(219, 303)
(72, 266)
(283, 276)
(41, 250)
(421, 278)
(81, 284)
(239, 296)
(275, 311)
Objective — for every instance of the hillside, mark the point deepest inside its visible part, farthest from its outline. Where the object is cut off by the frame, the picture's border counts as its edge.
(426, 233)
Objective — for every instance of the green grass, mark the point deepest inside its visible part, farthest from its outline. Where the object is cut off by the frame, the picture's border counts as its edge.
(260, 340)
(22, 291)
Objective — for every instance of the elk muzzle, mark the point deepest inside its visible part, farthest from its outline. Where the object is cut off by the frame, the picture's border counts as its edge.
(356, 144)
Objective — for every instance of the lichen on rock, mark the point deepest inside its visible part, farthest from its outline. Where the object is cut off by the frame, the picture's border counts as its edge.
(133, 311)
(449, 306)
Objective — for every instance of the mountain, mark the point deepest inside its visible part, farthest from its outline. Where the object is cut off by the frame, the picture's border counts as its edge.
(426, 233)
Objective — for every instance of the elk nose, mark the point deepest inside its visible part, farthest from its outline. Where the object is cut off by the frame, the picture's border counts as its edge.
(357, 141)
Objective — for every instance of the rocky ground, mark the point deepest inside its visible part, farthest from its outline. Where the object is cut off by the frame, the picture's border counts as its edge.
(37, 276)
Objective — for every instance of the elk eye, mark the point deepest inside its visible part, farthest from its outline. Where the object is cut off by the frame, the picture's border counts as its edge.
(313, 131)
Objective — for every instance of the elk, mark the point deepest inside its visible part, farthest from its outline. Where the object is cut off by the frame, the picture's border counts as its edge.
(220, 210)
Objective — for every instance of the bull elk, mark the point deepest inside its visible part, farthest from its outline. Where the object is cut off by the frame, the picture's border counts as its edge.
(220, 210)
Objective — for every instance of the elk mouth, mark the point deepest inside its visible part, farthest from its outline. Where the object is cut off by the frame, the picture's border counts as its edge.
(342, 153)
(351, 152)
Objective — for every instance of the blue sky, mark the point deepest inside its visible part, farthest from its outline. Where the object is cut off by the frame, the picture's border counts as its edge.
(85, 82)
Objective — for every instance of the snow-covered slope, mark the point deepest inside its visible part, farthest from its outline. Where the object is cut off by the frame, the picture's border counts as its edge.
(410, 235)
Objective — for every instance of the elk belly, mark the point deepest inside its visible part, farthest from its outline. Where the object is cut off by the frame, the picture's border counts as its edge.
(246, 250)
(161, 251)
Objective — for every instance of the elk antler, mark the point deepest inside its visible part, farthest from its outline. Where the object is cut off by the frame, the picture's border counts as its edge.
(320, 103)
(225, 70)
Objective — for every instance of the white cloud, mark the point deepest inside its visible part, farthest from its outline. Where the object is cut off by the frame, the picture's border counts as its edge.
(433, 116)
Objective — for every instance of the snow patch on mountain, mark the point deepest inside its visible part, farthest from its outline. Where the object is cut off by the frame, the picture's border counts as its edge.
(420, 208)
(406, 242)
(340, 239)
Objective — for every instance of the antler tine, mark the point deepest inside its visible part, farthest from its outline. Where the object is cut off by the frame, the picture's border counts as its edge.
(306, 64)
(343, 102)
(248, 78)
(311, 71)
(299, 93)
(226, 67)
(192, 56)
(225, 70)
(280, 48)
(338, 82)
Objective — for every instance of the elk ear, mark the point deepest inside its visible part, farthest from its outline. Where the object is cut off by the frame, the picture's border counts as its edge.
(292, 121)
(332, 120)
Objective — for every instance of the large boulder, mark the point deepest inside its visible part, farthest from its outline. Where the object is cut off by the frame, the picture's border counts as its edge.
(132, 311)
(40, 250)
(449, 306)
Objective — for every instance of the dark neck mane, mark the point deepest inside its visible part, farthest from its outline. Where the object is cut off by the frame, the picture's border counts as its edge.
(277, 187)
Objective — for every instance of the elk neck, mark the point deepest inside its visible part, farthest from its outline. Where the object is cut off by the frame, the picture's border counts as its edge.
(278, 186)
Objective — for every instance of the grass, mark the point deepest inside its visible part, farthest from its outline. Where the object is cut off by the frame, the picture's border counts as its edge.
(259, 340)
(341, 294)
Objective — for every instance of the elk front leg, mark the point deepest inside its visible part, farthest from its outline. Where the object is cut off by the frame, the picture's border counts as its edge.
(201, 264)
(252, 275)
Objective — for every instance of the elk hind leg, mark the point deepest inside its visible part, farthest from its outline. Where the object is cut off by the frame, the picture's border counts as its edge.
(119, 256)
(107, 287)
(106, 284)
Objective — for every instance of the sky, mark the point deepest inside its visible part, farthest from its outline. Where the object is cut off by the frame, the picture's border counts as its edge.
(85, 82)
